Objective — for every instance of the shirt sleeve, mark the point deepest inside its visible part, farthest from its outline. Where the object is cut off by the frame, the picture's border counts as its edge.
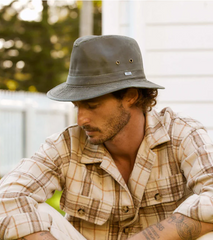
(33, 181)
(196, 155)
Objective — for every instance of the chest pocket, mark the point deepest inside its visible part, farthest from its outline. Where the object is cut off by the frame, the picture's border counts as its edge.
(164, 190)
(87, 208)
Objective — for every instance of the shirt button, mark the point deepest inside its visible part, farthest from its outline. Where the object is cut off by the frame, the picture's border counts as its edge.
(158, 197)
(126, 230)
(125, 209)
(81, 211)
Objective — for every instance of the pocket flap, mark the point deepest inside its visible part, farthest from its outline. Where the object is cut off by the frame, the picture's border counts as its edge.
(164, 190)
(87, 208)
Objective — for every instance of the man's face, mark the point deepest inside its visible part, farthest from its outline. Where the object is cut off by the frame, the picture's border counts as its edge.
(102, 118)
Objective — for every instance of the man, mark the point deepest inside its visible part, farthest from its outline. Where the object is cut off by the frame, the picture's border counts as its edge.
(126, 171)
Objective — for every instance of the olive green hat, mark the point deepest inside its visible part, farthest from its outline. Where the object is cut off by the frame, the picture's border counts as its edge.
(100, 65)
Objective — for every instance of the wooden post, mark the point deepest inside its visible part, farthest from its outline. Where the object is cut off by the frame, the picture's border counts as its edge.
(86, 18)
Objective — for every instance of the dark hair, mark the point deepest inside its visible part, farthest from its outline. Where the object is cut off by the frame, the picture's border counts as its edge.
(146, 97)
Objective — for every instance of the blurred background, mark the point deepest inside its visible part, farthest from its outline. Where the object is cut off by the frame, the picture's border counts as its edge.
(36, 38)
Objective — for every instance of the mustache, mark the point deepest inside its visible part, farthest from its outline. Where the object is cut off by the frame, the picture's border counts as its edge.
(89, 128)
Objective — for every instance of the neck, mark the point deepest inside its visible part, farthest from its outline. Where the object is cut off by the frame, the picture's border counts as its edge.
(126, 143)
(124, 147)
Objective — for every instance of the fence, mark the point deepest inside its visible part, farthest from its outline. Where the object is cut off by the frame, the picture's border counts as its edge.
(26, 119)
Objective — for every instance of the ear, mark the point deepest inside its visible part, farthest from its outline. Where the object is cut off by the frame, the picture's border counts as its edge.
(131, 96)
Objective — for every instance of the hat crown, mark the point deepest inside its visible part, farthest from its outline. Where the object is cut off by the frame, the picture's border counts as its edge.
(100, 55)
(100, 65)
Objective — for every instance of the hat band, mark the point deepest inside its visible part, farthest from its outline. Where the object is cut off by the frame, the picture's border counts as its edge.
(104, 78)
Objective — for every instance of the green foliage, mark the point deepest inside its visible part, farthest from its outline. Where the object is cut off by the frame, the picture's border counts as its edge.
(97, 17)
(35, 55)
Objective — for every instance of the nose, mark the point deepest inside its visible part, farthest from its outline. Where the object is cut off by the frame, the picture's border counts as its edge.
(82, 116)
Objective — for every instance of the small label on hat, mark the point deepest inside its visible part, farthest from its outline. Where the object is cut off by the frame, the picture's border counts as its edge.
(128, 73)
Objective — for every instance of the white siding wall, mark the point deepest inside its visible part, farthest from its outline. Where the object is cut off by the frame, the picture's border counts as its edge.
(26, 119)
(176, 39)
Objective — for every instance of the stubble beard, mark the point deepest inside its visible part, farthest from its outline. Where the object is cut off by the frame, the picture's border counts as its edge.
(113, 126)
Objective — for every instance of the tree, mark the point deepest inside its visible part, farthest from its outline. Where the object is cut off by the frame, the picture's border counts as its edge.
(35, 55)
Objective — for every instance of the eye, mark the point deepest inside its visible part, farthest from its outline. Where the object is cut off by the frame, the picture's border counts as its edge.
(92, 105)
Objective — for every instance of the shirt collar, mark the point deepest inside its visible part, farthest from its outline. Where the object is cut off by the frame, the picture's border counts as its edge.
(155, 134)
(92, 153)
(155, 130)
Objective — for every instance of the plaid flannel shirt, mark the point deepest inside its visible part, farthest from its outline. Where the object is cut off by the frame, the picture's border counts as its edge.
(173, 172)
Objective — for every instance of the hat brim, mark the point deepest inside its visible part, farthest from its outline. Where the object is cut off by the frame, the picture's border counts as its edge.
(68, 92)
